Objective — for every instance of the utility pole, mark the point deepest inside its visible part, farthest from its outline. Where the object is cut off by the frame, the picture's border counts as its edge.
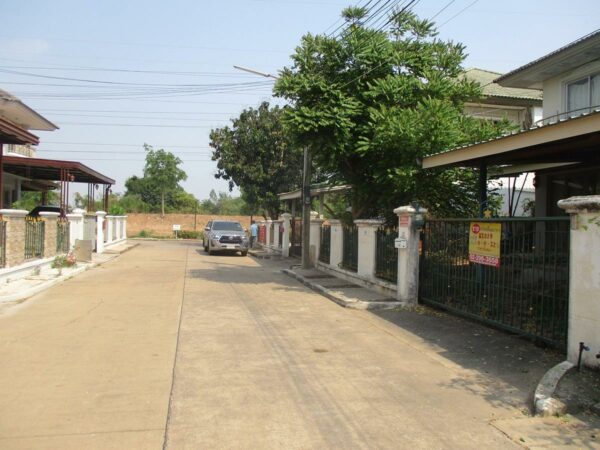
(306, 210)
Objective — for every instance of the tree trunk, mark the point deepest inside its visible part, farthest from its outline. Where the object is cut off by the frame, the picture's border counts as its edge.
(162, 204)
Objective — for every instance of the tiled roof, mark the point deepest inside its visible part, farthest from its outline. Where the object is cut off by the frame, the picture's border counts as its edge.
(486, 79)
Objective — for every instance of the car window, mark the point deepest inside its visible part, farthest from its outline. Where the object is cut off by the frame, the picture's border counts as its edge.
(227, 226)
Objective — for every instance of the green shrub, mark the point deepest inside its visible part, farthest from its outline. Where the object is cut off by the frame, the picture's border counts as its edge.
(143, 234)
(190, 234)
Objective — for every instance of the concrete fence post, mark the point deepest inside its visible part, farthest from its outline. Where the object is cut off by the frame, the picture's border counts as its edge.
(124, 219)
(110, 223)
(75, 227)
(367, 247)
(584, 278)
(336, 244)
(276, 225)
(100, 231)
(268, 233)
(408, 255)
(287, 229)
(15, 236)
(50, 232)
(315, 237)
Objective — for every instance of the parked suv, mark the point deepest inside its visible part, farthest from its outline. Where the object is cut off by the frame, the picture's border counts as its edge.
(225, 236)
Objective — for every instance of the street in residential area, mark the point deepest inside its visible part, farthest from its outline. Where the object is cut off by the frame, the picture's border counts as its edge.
(166, 346)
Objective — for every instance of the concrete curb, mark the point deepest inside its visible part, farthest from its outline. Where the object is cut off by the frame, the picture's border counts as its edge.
(543, 402)
(27, 293)
(339, 299)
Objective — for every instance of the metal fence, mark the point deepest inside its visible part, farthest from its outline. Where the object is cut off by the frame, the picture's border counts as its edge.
(386, 254)
(527, 294)
(2, 243)
(62, 236)
(34, 238)
(272, 234)
(350, 248)
(296, 237)
(325, 244)
(280, 231)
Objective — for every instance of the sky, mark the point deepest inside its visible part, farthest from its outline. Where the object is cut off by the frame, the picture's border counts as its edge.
(115, 75)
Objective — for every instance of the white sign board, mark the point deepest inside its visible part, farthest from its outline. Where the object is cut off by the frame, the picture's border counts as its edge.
(176, 227)
(400, 243)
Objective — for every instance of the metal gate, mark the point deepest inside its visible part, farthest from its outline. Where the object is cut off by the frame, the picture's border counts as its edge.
(296, 237)
(527, 294)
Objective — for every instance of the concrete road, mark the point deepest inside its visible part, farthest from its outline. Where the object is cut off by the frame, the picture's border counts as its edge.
(166, 346)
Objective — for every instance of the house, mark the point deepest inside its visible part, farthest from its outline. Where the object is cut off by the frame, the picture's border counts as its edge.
(562, 150)
(522, 107)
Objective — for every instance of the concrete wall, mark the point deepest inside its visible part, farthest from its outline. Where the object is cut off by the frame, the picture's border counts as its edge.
(163, 226)
(554, 88)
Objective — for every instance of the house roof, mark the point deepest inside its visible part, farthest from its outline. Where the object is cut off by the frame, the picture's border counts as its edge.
(13, 109)
(50, 170)
(574, 139)
(490, 89)
(566, 58)
(11, 133)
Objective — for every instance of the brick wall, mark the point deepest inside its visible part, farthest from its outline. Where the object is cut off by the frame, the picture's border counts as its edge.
(156, 225)
(15, 241)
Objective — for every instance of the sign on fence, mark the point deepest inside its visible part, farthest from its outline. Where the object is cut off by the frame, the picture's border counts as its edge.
(484, 243)
(176, 227)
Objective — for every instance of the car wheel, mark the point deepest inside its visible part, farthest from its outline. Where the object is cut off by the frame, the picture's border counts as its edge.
(244, 253)
(210, 250)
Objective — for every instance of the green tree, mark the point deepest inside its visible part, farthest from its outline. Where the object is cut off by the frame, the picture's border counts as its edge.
(256, 154)
(162, 173)
(370, 103)
(30, 200)
(223, 204)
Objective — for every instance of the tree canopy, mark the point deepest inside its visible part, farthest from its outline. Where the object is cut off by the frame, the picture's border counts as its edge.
(370, 103)
(256, 154)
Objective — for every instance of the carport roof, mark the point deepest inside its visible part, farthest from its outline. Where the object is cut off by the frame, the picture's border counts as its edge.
(50, 169)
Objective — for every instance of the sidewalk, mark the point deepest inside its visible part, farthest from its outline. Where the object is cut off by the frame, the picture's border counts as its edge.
(507, 368)
(21, 289)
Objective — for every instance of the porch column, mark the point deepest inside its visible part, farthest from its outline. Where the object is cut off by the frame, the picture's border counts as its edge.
(75, 227)
(287, 227)
(408, 255)
(336, 244)
(315, 237)
(100, 231)
(50, 232)
(15, 236)
(367, 247)
(110, 221)
(584, 282)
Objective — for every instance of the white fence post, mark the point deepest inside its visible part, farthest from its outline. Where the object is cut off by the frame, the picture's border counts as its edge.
(110, 222)
(336, 247)
(124, 219)
(100, 231)
(287, 228)
(75, 227)
(367, 247)
(276, 225)
(584, 282)
(315, 237)
(408, 255)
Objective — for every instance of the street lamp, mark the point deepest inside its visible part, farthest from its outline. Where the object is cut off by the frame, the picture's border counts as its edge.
(305, 186)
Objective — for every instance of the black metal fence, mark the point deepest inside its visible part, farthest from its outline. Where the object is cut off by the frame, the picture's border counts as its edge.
(296, 237)
(34, 238)
(386, 254)
(325, 244)
(527, 294)
(2, 243)
(350, 247)
(62, 236)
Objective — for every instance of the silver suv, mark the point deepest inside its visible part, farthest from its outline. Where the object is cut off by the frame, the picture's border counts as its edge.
(225, 236)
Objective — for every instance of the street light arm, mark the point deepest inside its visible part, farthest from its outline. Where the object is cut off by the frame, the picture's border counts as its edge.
(256, 72)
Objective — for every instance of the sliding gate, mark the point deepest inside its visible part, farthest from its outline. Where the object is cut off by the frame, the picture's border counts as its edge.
(527, 294)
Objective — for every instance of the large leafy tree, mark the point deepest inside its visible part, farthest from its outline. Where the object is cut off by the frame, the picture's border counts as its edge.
(256, 154)
(370, 103)
(162, 173)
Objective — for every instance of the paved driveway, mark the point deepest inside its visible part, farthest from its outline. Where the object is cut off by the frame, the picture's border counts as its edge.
(166, 345)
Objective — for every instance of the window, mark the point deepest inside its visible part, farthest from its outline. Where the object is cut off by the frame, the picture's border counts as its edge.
(583, 94)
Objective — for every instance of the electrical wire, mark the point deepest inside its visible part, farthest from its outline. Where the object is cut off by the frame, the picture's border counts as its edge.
(457, 14)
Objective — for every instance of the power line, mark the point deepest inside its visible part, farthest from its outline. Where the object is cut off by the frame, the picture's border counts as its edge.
(442, 10)
(137, 117)
(131, 152)
(121, 144)
(458, 14)
(97, 124)
(133, 112)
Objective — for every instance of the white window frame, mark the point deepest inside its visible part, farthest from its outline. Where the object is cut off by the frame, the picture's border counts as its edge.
(567, 83)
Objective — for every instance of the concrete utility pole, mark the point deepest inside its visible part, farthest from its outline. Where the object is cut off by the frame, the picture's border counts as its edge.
(306, 210)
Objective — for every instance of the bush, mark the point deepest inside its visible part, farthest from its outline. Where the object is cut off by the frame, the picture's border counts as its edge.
(116, 210)
(190, 234)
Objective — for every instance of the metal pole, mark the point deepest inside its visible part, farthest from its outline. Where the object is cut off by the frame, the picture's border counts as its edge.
(483, 200)
(306, 210)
